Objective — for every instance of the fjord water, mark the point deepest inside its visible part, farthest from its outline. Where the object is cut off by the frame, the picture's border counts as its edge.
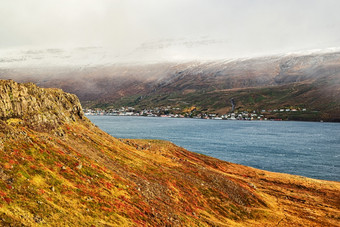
(308, 149)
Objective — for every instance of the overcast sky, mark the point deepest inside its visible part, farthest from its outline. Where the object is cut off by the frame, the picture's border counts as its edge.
(184, 28)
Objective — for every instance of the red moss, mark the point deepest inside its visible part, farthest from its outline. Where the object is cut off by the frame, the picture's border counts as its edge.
(29, 158)
(60, 152)
(8, 200)
(107, 209)
(58, 164)
(41, 191)
(7, 166)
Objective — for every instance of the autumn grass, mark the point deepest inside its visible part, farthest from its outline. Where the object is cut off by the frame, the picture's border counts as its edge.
(86, 177)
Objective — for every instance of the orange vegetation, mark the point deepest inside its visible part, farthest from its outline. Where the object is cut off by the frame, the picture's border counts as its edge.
(74, 174)
(147, 182)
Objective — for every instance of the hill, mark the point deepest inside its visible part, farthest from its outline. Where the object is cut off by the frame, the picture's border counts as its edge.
(297, 81)
(57, 168)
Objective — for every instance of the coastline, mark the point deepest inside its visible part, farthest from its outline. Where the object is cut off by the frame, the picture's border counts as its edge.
(285, 146)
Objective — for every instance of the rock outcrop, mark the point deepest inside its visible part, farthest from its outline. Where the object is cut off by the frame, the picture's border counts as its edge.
(37, 107)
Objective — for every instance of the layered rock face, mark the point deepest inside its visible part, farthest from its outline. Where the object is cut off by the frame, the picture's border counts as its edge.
(37, 106)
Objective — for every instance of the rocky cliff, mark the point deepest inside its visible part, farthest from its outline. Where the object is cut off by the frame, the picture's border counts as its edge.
(37, 107)
(74, 174)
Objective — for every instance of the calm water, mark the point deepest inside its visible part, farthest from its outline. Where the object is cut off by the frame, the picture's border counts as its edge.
(303, 148)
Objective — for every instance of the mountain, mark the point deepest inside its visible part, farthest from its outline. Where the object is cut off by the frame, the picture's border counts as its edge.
(57, 168)
(297, 81)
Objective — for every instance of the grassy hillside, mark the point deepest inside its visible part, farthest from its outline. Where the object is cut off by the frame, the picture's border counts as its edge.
(320, 98)
(72, 173)
(310, 81)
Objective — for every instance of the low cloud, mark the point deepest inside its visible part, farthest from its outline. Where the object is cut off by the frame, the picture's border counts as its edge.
(174, 28)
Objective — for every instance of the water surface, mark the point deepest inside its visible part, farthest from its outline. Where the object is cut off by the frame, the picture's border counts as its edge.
(309, 149)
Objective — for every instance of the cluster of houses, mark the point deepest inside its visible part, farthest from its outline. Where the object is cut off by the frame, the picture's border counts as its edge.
(253, 115)
(175, 113)
(131, 111)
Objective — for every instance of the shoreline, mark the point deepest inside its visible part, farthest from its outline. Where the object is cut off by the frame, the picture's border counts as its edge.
(248, 143)
(254, 120)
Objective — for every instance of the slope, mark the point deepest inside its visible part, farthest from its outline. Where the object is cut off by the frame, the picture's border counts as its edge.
(57, 168)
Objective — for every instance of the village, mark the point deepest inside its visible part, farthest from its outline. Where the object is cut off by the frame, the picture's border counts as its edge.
(175, 112)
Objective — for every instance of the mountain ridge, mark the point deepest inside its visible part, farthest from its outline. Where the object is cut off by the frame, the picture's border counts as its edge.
(315, 78)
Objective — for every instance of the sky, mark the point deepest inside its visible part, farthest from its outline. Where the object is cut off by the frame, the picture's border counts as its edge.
(167, 29)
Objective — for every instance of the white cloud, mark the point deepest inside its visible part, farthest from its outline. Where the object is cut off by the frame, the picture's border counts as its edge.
(235, 28)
